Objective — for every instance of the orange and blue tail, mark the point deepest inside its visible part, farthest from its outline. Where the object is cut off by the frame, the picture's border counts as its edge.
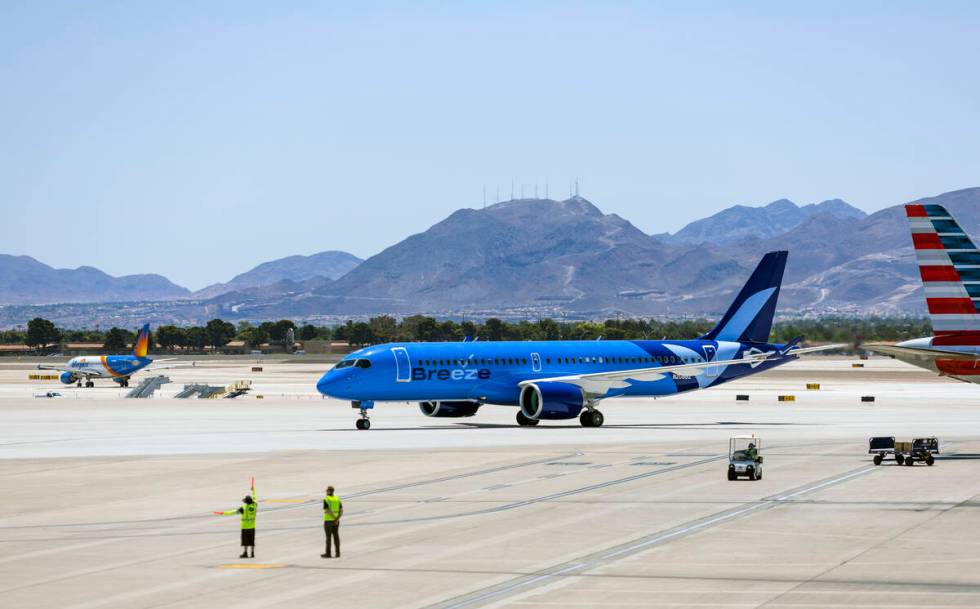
(142, 346)
(949, 264)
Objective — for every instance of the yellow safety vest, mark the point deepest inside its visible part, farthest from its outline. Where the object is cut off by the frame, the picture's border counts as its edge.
(333, 502)
(248, 515)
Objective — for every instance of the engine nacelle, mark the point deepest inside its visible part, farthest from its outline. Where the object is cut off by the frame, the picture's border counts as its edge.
(67, 378)
(449, 409)
(550, 400)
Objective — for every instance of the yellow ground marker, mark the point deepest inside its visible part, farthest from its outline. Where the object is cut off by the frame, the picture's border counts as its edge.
(250, 565)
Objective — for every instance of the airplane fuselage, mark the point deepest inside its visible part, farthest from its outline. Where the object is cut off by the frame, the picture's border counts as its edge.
(490, 372)
(106, 366)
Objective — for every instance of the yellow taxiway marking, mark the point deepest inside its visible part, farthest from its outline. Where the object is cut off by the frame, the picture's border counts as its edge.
(252, 566)
(285, 500)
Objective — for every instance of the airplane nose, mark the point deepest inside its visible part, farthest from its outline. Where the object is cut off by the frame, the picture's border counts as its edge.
(323, 385)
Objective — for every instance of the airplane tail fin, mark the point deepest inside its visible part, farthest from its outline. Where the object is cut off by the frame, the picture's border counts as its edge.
(948, 264)
(142, 345)
(749, 318)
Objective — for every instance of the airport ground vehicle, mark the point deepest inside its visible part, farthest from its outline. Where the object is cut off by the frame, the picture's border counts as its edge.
(906, 452)
(745, 458)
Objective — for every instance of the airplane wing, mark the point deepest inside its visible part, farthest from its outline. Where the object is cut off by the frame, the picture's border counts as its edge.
(921, 355)
(803, 350)
(81, 373)
(600, 383)
(153, 366)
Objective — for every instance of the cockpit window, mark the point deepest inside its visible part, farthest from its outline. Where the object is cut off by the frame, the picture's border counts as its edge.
(363, 363)
(347, 363)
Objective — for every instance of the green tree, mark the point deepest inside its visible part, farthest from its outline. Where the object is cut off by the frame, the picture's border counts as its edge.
(493, 329)
(118, 340)
(40, 333)
(170, 337)
(254, 337)
(360, 335)
(308, 332)
(278, 330)
(219, 332)
(197, 338)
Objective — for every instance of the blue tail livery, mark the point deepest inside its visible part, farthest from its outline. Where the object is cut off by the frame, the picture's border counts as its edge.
(554, 380)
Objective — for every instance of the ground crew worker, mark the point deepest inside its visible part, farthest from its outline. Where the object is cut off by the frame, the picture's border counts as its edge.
(248, 511)
(333, 509)
(752, 452)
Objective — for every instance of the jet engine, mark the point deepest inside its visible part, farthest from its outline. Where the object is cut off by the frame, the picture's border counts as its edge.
(550, 400)
(449, 409)
(67, 378)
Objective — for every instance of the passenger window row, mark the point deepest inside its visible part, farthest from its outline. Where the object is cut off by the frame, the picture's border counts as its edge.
(672, 360)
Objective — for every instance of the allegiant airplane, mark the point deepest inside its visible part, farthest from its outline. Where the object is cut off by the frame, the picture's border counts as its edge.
(949, 265)
(117, 367)
(554, 380)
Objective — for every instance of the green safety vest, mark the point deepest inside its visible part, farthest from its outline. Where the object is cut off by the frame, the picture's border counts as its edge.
(333, 501)
(248, 515)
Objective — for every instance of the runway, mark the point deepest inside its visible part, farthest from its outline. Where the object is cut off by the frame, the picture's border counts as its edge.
(107, 501)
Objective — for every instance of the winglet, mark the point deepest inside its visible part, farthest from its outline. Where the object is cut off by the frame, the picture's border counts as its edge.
(788, 346)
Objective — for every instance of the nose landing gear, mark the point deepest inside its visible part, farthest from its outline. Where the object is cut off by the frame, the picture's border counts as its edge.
(363, 406)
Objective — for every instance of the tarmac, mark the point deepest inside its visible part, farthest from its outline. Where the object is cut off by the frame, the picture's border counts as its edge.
(107, 502)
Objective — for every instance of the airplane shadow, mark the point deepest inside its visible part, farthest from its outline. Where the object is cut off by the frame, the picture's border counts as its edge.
(637, 426)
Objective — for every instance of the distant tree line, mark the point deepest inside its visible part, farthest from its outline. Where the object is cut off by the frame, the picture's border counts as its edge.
(217, 333)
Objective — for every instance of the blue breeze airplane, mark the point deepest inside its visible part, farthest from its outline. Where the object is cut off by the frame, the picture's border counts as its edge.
(551, 380)
(117, 367)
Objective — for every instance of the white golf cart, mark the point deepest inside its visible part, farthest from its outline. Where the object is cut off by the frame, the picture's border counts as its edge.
(745, 457)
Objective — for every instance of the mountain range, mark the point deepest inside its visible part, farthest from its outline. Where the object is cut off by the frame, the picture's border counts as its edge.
(536, 257)
(330, 264)
(24, 280)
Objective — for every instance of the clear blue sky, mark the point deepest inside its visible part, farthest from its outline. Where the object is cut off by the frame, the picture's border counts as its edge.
(198, 139)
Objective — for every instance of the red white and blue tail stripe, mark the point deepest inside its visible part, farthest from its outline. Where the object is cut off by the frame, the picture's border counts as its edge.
(949, 264)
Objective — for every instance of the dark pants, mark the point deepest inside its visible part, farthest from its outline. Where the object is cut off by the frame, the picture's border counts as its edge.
(331, 529)
(248, 537)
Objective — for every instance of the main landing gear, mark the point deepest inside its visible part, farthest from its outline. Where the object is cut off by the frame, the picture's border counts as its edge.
(524, 421)
(591, 418)
(88, 384)
(363, 406)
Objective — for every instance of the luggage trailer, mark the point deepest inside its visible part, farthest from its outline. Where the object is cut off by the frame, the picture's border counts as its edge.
(906, 453)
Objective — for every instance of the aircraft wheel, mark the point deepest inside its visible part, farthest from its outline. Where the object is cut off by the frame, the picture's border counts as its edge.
(877, 459)
(363, 424)
(597, 418)
(525, 421)
(90, 384)
(585, 419)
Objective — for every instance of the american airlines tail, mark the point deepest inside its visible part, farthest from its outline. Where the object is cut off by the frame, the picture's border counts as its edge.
(142, 345)
(949, 265)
